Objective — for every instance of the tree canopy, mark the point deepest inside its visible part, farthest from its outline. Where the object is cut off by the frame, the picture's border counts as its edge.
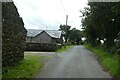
(101, 21)
(71, 35)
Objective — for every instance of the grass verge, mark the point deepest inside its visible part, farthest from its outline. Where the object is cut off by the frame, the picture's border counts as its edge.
(108, 62)
(27, 68)
(64, 48)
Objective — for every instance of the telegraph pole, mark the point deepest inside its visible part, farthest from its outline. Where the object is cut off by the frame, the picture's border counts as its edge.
(66, 20)
(46, 28)
(66, 29)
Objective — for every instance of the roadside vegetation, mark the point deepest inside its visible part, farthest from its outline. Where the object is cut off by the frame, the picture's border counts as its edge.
(101, 27)
(101, 24)
(27, 68)
(108, 62)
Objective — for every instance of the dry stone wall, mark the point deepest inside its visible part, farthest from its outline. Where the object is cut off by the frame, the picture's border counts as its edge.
(13, 35)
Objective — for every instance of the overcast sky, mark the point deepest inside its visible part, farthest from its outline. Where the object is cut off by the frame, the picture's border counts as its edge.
(42, 14)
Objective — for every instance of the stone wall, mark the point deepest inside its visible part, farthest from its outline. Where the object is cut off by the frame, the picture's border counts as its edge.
(13, 35)
(42, 47)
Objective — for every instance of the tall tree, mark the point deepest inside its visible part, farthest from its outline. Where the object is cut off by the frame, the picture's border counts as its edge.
(65, 31)
(101, 20)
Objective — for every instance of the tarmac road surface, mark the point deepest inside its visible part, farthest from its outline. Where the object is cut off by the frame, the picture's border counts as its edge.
(77, 62)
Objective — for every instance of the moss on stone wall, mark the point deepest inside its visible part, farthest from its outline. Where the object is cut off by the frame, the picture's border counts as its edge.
(13, 35)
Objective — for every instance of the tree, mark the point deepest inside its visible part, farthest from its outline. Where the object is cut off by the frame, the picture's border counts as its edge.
(75, 36)
(65, 31)
(101, 20)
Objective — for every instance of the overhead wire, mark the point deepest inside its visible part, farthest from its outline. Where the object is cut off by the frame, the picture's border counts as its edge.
(62, 6)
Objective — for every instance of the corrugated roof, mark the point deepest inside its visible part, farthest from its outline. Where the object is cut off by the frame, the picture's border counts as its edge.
(52, 33)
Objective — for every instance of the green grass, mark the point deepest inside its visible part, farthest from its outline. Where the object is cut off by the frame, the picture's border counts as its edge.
(62, 49)
(108, 62)
(27, 68)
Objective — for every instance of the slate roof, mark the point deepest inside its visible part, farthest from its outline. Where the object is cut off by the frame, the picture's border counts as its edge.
(33, 33)
(52, 33)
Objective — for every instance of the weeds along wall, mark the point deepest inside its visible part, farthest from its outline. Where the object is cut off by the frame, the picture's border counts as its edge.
(13, 35)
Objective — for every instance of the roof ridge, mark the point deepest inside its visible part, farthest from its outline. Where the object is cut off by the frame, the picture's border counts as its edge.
(35, 32)
(34, 29)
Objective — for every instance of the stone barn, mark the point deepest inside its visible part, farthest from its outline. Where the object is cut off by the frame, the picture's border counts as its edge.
(44, 40)
(44, 36)
(13, 35)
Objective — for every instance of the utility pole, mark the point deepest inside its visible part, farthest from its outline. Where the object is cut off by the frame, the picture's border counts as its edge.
(66, 20)
(66, 29)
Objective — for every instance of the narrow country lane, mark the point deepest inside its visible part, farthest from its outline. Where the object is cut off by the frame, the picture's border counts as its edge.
(77, 62)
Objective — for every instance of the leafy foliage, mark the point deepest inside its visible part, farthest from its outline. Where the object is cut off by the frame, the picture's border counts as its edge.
(65, 31)
(75, 36)
(71, 35)
(101, 21)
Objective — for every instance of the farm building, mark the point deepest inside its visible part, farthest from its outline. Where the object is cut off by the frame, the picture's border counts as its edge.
(44, 37)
